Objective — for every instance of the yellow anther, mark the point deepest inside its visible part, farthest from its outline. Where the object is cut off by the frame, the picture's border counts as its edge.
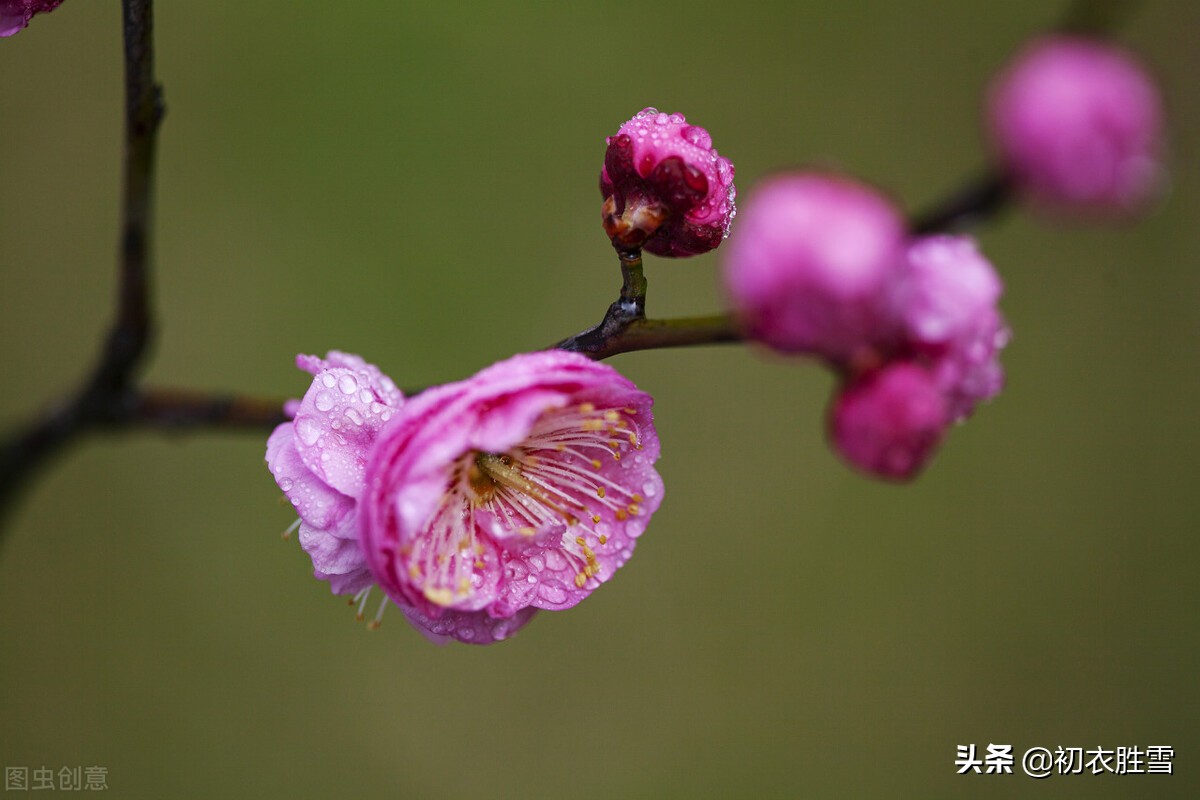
(596, 463)
(633, 440)
(599, 491)
(621, 515)
(612, 416)
(634, 509)
(603, 538)
(525, 530)
(579, 540)
(441, 597)
(613, 443)
(414, 571)
(637, 498)
(581, 579)
(464, 586)
(630, 410)
(595, 517)
(592, 425)
(479, 563)
(587, 408)
(560, 447)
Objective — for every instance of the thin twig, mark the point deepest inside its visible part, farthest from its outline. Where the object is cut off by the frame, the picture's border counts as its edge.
(980, 199)
(183, 409)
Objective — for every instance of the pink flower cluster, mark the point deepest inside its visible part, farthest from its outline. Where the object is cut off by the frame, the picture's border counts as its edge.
(476, 503)
(665, 187)
(15, 14)
(822, 265)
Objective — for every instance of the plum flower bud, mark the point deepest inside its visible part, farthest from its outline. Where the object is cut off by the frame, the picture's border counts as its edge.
(889, 422)
(810, 267)
(1078, 123)
(319, 460)
(15, 14)
(946, 297)
(665, 188)
(524, 487)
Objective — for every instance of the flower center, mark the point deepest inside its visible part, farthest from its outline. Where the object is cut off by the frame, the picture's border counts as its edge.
(556, 476)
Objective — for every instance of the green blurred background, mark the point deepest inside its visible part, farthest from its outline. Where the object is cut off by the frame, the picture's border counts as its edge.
(419, 186)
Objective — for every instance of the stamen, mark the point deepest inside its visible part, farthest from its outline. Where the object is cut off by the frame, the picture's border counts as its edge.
(362, 596)
(288, 532)
(374, 624)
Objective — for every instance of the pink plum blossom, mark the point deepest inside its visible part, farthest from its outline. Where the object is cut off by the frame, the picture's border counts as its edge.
(810, 268)
(666, 189)
(15, 14)
(319, 460)
(1078, 122)
(889, 421)
(523, 487)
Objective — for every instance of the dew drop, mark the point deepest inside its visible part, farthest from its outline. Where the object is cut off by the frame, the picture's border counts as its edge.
(328, 380)
(649, 489)
(285, 485)
(353, 415)
(551, 593)
(308, 431)
(324, 401)
(555, 560)
(348, 384)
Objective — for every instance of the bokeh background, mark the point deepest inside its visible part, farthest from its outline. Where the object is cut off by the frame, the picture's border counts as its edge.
(418, 184)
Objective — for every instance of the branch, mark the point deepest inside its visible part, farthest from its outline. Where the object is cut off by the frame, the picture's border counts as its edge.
(978, 200)
(104, 394)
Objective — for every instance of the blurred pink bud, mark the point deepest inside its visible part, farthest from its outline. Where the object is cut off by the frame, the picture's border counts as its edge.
(665, 187)
(15, 14)
(1078, 122)
(946, 297)
(810, 267)
(890, 421)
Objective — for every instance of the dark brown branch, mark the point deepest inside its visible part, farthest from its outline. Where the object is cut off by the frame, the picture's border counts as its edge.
(980, 199)
(104, 396)
(185, 410)
(621, 335)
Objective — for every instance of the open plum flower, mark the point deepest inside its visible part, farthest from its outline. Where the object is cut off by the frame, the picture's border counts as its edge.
(665, 187)
(524, 487)
(319, 460)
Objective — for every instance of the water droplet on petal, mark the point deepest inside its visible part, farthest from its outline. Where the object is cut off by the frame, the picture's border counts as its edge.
(328, 380)
(552, 593)
(324, 401)
(308, 431)
(348, 384)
